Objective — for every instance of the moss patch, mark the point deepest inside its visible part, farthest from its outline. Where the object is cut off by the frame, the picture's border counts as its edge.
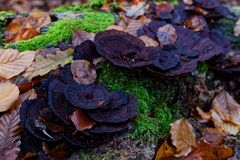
(89, 6)
(155, 107)
(62, 30)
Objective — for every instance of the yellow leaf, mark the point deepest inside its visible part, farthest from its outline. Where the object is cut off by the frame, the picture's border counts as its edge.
(183, 137)
(13, 63)
(8, 95)
(43, 65)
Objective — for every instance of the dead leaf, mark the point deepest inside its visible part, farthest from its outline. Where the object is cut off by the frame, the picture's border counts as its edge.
(227, 108)
(206, 116)
(13, 63)
(137, 10)
(80, 36)
(196, 23)
(9, 135)
(44, 64)
(119, 28)
(83, 72)
(23, 28)
(165, 151)
(167, 35)
(223, 125)
(81, 120)
(8, 95)
(237, 28)
(183, 137)
(148, 41)
(188, 2)
(134, 25)
(211, 147)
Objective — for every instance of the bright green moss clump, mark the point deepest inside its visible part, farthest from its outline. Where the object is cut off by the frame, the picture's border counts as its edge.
(3, 15)
(155, 108)
(62, 30)
(92, 5)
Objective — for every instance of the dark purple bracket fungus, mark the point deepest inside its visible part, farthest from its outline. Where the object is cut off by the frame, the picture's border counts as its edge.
(87, 97)
(123, 113)
(37, 124)
(86, 51)
(123, 49)
(57, 101)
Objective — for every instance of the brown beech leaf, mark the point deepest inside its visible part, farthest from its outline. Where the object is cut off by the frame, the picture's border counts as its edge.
(79, 36)
(188, 2)
(165, 151)
(83, 72)
(227, 127)
(81, 120)
(211, 147)
(9, 93)
(183, 137)
(9, 135)
(23, 28)
(134, 25)
(44, 64)
(196, 23)
(13, 63)
(227, 108)
(167, 34)
(119, 28)
(137, 10)
(148, 41)
(237, 28)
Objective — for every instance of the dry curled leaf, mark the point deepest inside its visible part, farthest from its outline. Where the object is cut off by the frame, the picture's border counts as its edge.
(81, 120)
(44, 64)
(183, 137)
(227, 108)
(83, 72)
(80, 36)
(137, 10)
(13, 63)
(23, 28)
(196, 23)
(9, 93)
(9, 135)
(211, 147)
(148, 41)
(167, 34)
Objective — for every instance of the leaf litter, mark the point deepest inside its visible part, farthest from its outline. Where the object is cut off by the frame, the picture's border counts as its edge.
(62, 100)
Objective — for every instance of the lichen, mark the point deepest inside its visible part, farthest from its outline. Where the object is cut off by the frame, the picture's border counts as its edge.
(89, 6)
(155, 107)
(61, 30)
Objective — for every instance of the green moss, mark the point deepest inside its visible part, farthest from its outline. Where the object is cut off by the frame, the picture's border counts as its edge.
(202, 67)
(4, 14)
(92, 5)
(155, 107)
(62, 30)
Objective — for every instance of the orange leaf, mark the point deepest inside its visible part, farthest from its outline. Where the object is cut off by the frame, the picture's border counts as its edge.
(165, 151)
(81, 120)
(23, 28)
